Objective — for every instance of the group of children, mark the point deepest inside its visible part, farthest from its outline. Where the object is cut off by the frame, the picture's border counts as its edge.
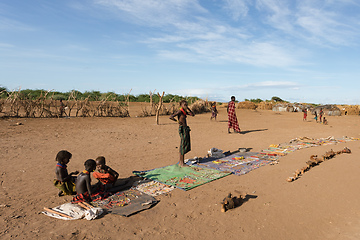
(69, 184)
(321, 118)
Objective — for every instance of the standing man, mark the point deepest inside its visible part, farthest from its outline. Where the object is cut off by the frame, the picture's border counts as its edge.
(232, 119)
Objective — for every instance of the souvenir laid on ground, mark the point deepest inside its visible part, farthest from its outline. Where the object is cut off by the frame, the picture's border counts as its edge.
(237, 164)
(152, 188)
(301, 143)
(184, 178)
(315, 160)
(70, 211)
(217, 153)
(126, 203)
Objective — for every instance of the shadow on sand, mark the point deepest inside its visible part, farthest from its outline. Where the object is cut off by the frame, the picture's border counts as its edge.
(250, 131)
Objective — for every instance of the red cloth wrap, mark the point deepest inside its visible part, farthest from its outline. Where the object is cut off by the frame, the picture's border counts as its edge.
(232, 122)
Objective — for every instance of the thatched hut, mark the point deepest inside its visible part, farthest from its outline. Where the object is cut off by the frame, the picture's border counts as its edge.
(265, 105)
(349, 109)
(329, 110)
(247, 105)
(200, 106)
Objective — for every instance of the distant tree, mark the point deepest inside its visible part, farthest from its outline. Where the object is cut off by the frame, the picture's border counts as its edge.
(3, 92)
(74, 93)
(277, 99)
(132, 98)
(93, 95)
(32, 94)
(143, 98)
(258, 100)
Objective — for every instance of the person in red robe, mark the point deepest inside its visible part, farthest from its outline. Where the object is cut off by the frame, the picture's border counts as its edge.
(232, 119)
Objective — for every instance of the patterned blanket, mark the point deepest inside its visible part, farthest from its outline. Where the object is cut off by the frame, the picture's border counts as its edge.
(184, 178)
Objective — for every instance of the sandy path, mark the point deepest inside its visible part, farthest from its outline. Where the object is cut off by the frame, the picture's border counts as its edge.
(323, 204)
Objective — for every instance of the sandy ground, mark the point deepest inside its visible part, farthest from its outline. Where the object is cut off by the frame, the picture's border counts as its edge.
(322, 204)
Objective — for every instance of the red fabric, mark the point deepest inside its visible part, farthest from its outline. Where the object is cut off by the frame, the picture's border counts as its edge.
(84, 197)
(183, 111)
(233, 122)
(105, 178)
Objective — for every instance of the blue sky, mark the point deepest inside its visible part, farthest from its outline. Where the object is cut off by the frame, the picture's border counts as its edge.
(299, 50)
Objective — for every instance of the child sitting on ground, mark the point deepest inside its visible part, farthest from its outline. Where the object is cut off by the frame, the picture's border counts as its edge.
(85, 192)
(105, 174)
(64, 181)
(325, 121)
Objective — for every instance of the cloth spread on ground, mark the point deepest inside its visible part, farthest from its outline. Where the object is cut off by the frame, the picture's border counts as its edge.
(184, 178)
(232, 119)
(105, 178)
(185, 145)
(68, 187)
(152, 188)
(237, 164)
(126, 203)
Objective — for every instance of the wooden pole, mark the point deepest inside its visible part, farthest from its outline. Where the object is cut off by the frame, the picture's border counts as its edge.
(159, 107)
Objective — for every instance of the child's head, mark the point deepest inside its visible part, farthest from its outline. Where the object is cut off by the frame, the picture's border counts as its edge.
(63, 157)
(90, 165)
(100, 162)
(183, 103)
(232, 98)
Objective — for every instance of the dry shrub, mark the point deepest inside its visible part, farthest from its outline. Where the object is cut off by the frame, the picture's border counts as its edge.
(48, 108)
(247, 105)
(265, 105)
(145, 112)
(170, 108)
(200, 106)
(2, 104)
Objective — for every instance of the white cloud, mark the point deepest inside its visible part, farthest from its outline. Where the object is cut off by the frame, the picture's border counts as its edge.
(233, 51)
(12, 25)
(6, 45)
(155, 12)
(277, 14)
(271, 84)
(325, 25)
(237, 8)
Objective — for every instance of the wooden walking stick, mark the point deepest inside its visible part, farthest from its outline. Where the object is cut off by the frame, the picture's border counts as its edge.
(58, 213)
(83, 205)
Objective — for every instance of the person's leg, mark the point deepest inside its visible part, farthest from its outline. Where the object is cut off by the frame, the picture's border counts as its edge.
(181, 162)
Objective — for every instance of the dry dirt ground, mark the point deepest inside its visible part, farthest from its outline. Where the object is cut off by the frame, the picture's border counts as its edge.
(323, 204)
